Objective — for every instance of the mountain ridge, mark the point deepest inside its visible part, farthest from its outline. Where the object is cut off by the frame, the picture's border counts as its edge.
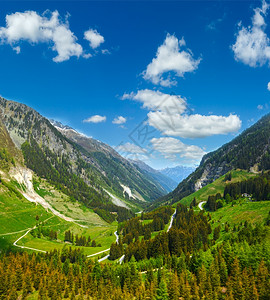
(58, 152)
(250, 151)
(166, 182)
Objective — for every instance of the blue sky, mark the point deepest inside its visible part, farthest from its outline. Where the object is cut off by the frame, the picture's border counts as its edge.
(79, 63)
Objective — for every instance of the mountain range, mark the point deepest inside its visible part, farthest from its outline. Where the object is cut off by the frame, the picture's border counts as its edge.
(83, 168)
(178, 173)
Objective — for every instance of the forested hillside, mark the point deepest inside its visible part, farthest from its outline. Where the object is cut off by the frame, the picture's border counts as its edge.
(88, 171)
(187, 263)
(249, 151)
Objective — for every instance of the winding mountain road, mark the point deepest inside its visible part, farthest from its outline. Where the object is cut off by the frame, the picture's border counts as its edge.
(107, 256)
(21, 237)
(171, 221)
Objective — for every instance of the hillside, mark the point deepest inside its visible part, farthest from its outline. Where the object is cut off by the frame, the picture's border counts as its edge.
(85, 169)
(121, 175)
(216, 187)
(248, 151)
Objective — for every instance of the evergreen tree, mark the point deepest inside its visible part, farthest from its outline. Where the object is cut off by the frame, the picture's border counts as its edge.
(162, 292)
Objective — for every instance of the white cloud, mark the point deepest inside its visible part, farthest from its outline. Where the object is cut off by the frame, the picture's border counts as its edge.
(168, 114)
(155, 100)
(252, 46)
(119, 120)
(105, 51)
(260, 107)
(130, 148)
(170, 58)
(95, 38)
(95, 119)
(132, 151)
(268, 86)
(174, 149)
(17, 49)
(47, 28)
(193, 126)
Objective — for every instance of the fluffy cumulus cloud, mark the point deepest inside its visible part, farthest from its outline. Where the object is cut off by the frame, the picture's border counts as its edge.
(94, 38)
(95, 119)
(156, 100)
(252, 46)
(47, 28)
(170, 58)
(119, 120)
(193, 126)
(268, 86)
(174, 149)
(170, 115)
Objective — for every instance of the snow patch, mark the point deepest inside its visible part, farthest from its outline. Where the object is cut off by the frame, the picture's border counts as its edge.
(127, 190)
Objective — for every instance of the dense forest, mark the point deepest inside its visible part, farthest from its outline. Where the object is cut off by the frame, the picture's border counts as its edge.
(237, 268)
(253, 189)
(189, 232)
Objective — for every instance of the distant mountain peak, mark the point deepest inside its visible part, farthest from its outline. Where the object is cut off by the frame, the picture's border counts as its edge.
(59, 126)
(178, 173)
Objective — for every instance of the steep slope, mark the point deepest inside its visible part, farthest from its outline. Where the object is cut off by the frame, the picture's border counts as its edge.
(81, 167)
(166, 182)
(249, 151)
(120, 174)
(178, 173)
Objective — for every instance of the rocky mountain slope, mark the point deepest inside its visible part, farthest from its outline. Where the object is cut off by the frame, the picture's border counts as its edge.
(85, 169)
(120, 172)
(248, 151)
(167, 183)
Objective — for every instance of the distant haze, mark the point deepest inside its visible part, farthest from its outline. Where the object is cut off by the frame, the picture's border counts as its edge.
(178, 173)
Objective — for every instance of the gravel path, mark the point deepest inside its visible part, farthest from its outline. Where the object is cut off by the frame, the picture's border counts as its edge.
(171, 222)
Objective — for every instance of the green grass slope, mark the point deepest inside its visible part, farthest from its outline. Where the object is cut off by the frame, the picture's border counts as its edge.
(215, 187)
(17, 215)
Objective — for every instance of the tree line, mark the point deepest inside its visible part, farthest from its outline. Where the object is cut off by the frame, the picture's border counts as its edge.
(80, 240)
(234, 269)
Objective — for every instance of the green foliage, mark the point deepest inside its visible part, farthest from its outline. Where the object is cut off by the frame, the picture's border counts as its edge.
(189, 232)
(258, 188)
(77, 240)
(45, 232)
(116, 250)
(11, 188)
(248, 149)
(58, 171)
(134, 227)
(216, 186)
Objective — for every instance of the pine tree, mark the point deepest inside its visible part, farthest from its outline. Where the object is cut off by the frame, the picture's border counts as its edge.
(162, 292)
(237, 285)
(13, 295)
(263, 282)
(173, 288)
(66, 266)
